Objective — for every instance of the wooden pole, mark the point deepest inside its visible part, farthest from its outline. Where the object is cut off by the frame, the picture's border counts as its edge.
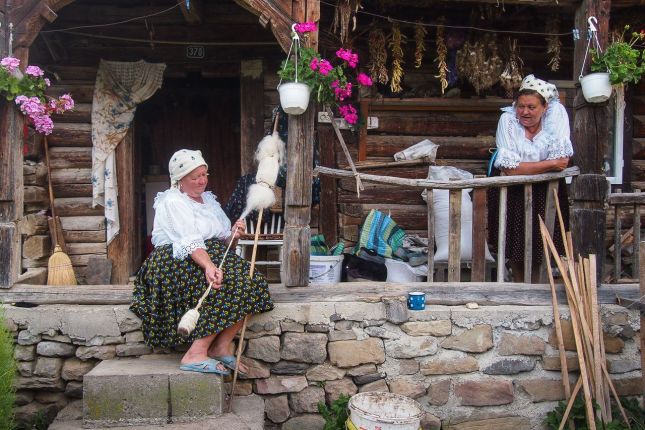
(642, 293)
(240, 342)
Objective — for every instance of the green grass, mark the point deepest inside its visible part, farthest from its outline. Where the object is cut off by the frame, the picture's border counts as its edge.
(7, 374)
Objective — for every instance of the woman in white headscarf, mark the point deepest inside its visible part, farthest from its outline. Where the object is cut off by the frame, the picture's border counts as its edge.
(190, 235)
(533, 137)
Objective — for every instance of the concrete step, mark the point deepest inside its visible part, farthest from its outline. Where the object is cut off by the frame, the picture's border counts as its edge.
(247, 414)
(148, 390)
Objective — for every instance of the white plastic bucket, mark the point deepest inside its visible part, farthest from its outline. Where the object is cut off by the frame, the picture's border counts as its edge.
(385, 411)
(294, 97)
(325, 269)
(596, 87)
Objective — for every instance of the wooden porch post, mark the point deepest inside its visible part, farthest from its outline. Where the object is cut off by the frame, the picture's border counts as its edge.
(295, 259)
(251, 106)
(11, 178)
(591, 122)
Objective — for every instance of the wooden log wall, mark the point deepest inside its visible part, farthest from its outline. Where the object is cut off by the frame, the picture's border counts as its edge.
(70, 147)
(464, 129)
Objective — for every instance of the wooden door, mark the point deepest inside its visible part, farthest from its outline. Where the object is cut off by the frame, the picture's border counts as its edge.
(195, 113)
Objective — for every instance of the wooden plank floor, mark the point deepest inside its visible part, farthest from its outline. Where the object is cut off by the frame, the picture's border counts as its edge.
(438, 293)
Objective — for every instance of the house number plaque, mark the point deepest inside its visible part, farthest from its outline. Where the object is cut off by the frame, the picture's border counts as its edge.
(195, 51)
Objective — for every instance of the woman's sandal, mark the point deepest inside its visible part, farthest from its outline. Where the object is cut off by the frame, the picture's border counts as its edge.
(229, 362)
(206, 366)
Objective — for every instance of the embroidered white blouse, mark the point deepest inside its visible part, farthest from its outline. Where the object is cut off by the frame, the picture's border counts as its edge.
(553, 141)
(185, 223)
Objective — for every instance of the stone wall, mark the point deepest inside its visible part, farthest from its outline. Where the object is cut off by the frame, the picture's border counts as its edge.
(483, 368)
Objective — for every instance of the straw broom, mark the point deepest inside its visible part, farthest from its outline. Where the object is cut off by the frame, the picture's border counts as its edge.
(59, 267)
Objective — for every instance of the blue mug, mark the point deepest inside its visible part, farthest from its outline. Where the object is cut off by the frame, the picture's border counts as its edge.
(416, 301)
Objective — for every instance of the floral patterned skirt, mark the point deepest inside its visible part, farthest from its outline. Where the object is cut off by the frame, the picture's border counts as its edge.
(165, 288)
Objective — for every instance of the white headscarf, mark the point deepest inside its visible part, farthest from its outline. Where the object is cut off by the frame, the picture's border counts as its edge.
(182, 163)
(545, 89)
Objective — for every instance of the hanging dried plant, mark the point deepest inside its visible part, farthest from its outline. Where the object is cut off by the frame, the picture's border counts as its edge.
(345, 12)
(378, 56)
(442, 51)
(480, 63)
(554, 45)
(420, 33)
(511, 77)
(396, 46)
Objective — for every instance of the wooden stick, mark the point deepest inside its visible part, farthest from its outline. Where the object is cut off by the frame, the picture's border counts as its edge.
(567, 411)
(556, 320)
(359, 184)
(561, 221)
(241, 340)
(528, 232)
(501, 234)
(590, 272)
(576, 330)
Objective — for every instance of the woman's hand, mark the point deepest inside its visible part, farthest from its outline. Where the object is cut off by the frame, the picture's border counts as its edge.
(214, 275)
(238, 229)
(559, 164)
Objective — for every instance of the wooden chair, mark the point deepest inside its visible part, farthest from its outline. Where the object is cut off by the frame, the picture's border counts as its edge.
(271, 234)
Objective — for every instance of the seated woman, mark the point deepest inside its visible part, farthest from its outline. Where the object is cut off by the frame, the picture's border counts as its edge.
(190, 236)
(532, 137)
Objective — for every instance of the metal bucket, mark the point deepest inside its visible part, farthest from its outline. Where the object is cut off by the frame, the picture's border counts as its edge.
(385, 411)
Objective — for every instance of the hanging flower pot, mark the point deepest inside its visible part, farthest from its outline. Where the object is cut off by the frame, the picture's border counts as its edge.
(596, 87)
(294, 97)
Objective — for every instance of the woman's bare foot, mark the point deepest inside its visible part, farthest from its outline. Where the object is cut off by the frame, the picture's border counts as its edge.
(198, 352)
(220, 351)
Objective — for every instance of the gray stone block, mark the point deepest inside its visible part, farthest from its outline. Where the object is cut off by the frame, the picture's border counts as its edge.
(148, 390)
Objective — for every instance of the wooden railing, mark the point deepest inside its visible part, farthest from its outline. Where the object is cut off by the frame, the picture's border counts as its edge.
(620, 200)
(479, 186)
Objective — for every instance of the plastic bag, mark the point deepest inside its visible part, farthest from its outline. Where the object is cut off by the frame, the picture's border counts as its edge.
(425, 148)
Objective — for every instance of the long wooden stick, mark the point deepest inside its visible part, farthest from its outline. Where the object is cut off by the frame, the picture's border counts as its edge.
(567, 411)
(241, 340)
(556, 320)
(574, 313)
(357, 177)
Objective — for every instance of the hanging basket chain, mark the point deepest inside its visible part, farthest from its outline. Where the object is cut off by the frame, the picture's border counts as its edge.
(592, 35)
(295, 46)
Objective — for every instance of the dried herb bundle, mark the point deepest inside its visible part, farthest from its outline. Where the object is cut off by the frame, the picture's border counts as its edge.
(480, 63)
(442, 51)
(554, 45)
(420, 33)
(396, 46)
(378, 56)
(511, 77)
(345, 12)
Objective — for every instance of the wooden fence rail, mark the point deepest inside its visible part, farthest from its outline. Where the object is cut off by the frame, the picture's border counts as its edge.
(480, 186)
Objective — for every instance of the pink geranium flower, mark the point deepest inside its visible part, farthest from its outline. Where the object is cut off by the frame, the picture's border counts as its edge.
(364, 80)
(305, 27)
(325, 67)
(313, 65)
(349, 113)
(47, 82)
(10, 64)
(34, 71)
(348, 56)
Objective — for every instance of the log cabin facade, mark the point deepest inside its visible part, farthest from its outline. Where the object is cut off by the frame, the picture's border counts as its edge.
(222, 104)
(211, 103)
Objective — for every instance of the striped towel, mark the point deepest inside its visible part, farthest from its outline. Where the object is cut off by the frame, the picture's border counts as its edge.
(380, 233)
(318, 245)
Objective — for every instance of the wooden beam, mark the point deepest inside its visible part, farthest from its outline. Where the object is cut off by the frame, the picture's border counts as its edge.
(328, 186)
(437, 293)
(251, 111)
(591, 121)
(298, 199)
(191, 11)
(271, 12)
(122, 249)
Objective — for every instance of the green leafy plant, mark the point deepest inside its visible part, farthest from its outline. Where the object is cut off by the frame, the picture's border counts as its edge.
(7, 374)
(634, 412)
(622, 59)
(336, 414)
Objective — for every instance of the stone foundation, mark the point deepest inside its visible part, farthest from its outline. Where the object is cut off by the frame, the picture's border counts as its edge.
(492, 367)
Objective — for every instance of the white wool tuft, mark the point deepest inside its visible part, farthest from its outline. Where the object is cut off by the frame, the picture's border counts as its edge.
(188, 323)
(258, 198)
(268, 170)
(271, 146)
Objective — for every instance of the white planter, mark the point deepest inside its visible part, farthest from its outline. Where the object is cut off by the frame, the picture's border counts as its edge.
(596, 87)
(294, 97)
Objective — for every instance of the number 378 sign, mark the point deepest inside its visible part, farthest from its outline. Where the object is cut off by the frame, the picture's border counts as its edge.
(195, 51)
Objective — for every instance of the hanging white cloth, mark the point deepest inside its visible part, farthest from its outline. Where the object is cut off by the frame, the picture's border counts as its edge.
(119, 88)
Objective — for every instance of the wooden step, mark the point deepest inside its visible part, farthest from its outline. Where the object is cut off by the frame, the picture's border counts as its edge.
(149, 390)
